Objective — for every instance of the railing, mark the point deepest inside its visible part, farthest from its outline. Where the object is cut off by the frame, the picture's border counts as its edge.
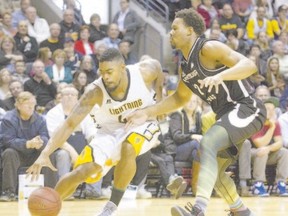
(157, 9)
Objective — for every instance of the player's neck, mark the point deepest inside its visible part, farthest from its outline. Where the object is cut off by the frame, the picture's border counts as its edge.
(186, 49)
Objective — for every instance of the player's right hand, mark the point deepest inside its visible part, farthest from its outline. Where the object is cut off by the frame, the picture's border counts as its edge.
(42, 161)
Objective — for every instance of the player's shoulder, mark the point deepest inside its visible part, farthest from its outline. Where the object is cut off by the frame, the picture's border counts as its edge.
(212, 48)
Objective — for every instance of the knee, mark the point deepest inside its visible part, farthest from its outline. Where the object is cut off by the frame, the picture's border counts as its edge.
(62, 156)
(128, 151)
(84, 171)
(9, 154)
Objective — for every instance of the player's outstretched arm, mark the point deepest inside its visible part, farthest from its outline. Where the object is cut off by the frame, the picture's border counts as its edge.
(92, 96)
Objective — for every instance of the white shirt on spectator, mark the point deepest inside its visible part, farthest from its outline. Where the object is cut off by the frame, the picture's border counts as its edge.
(39, 30)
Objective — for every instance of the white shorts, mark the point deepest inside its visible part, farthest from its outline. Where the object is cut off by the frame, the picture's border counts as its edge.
(105, 148)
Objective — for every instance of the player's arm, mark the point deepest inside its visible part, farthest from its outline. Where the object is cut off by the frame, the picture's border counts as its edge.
(91, 97)
(153, 77)
(240, 67)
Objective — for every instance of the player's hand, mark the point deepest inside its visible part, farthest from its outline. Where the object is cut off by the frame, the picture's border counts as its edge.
(136, 118)
(42, 161)
(210, 82)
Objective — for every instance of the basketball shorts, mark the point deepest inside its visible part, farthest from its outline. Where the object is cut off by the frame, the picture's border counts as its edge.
(105, 148)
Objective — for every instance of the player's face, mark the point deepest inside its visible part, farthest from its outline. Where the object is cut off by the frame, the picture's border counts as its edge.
(111, 73)
(178, 33)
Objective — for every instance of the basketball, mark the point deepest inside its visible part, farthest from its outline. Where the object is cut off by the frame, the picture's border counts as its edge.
(44, 201)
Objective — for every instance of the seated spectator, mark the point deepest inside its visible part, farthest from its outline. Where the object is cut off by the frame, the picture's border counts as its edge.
(268, 149)
(26, 44)
(207, 11)
(83, 46)
(53, 42)
(20, 72)
(15, 87)
(261, 64)
(125, 50)
(24, 137)
(72, 60)
(267, 4)
(279, 52)
(243, 8)
(19, 15)
(263, 41)
(45, 56)
(260, 23)
(97, 31)
(185, 131)
(280, 23)
(37, 27)
(40, 85)
(112, 39)
(284, 38)
(239, 45)
(283, 121)
(5, 79)
(99, 47)
(58, 72)
(228, 20)
(274, 79)
(127, 20)
(7, 28)
(78, 18)
(87, 67)
(9, 53)
(80, 82)
(69, 29)
(214, 24)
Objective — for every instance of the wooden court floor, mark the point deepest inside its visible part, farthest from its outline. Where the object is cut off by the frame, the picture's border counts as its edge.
(272, 206)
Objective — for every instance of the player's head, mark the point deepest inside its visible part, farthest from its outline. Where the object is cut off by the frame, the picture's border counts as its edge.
(111, 68)
(186, 23)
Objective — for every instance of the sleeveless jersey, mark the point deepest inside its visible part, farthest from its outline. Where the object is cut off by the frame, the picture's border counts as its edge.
(111, 115)
(229, 92)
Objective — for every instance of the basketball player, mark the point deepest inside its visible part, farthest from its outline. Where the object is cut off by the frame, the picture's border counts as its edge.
(119, 91)
(217, 75)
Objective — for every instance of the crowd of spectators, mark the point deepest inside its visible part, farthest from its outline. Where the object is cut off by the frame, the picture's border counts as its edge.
(49, 66)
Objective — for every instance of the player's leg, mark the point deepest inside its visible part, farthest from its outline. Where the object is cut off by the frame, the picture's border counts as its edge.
(70, 181)
(226, 188)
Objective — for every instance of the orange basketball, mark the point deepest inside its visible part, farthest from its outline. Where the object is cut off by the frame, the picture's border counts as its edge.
(44, 201)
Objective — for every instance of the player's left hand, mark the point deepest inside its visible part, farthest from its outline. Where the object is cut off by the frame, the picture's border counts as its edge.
(210, 82)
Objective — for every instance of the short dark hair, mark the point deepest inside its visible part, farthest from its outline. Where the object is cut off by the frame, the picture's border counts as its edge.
(192, 18)
(111, 54)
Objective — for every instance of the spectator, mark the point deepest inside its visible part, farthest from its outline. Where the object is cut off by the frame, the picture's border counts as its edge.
(78, 18)
(267, 4)
(45, 55)
(26, 44)
(127, 21)
(69, 29)
(260, 23)
(99, 47)
(5, 79)
(236, 44)
(112, 40)
(268, 149)
(37, 27)
(125, 50)
(263, 41)
(20, 14)
(97, 31)
(284, 38)
(9, 54)
(72, 59)
(283, 121)
(275, 81)
(279, 52)
(15, 87)
(7, 27)
(40, 85)
(87, 67)
(20, 72)
(83, 46)
(24, 137)
(53, 42)
(80, 82)
(243, 8)
(255, 51)
(214, 24)
(229, 20)
(207, 11)
(58, 72)
(279, 23)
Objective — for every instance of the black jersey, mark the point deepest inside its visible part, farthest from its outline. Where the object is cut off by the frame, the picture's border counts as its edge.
(229, 92)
